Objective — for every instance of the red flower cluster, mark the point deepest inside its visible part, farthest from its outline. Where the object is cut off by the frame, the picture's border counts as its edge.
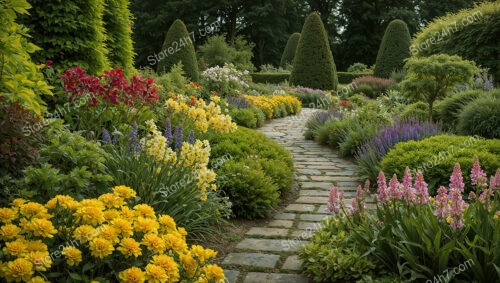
(112, 86)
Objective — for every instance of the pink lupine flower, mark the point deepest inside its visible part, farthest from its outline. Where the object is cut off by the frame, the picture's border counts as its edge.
(367, 185)
(485, 195)
(395, 189)
(477, 175)
(382, 191)
(442, 206)
(495, 182)
(421, 189)
(456, 179)
(357, 203)
(456, 208)
(335, 201)
(408, 190)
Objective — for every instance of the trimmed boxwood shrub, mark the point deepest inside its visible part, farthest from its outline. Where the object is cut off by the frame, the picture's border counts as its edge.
(348, 77)
(437, 155)
(290, 48)
(70, 33)
(180, 42)
(118, 24)
(248, 117)
(270, 78)
(481, 117)
(394, 49)
(313, 65)
(417, 110)
(471, 33)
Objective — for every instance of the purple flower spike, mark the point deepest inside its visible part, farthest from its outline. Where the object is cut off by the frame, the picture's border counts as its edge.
(178, 135)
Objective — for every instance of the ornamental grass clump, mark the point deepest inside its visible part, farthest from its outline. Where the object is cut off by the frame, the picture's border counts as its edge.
(103, 239)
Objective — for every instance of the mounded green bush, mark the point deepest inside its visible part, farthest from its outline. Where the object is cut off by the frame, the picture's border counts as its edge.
(348, 77)
(270, 78)
(437, 155)
(290, 48)
(313, 65)
(393, 50)
(118, 24)
(449, 108)
(470, 33)
(417, 110)
(481, 117)
(244, 117)
(180, 43)
(70, 33)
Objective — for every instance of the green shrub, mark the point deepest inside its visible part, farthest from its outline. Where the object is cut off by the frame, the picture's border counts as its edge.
(470, 33)
(244, 117)
(70, 33)
(365, 90)
(217, 52)
(417, 110)
(21, 82)
(178, 47)
(481, 117)
(393, 50)
(378, 86)
(354, 137)
(290, 48)
(313, 65)
(270, 78)
(253, 194)
(433, 77)
(357, 68)
(118, 25)
(348, 77)
(449, 108)
(358, 100)
(436, 156)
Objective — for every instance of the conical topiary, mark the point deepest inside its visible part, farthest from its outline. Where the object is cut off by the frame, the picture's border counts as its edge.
(313, 65)
(394, 49)
(178, 47)
(290, 48)
(118, 25)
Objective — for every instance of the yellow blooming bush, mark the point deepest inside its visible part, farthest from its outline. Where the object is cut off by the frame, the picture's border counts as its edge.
(103, 239)
(275, 106)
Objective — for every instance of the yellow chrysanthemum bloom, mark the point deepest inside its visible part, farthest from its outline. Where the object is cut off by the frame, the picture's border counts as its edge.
(146, 225)
(7, 215)
(109, 232)
(130, 247)
(111, 214)
(203, 254)
(124, 192)
(41, 260)
(32, 209)
(144, 210)
(64, 201)
(189, 264)
(36, 246)
(123, 226)
(101, 248)
(85, 233)
(132, 275)
(9, 231)
(175, 242)
(16, 248)
(167, 223)
(214, 272)
(73, 256)
(111, 200)
(18, 202)
(169, 265)
(90, 215)
(156, 274)
(18, 270)
(127, 213)
(154, 243)
(41, 227)
(37, 279)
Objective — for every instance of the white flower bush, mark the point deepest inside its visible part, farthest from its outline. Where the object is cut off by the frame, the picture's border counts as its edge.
(227, 80)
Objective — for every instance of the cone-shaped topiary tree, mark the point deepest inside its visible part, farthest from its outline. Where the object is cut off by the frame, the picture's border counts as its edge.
(394, 49)
(118, 24)
(70, 33)
(178, 47)
(290, 48)
(313, 65)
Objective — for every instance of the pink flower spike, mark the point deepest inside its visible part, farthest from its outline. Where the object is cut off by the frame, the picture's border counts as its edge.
(335, 201)
(477, 175)
(456, 179)
(408, 190)
(495, 181)
(421, 189)
(442, 206)
(382, 192)
(394, 188)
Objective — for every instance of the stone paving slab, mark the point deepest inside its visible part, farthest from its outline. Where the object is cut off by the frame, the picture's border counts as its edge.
(285, 216)
(231, 275)
(257, 277)
(280, 223)
(300, 207)
(292, 263)
(252, 259)
(268, 245)
(310, 199)
(269, 232)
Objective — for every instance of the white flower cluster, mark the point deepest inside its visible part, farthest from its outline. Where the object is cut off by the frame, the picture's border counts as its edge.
(228, 74)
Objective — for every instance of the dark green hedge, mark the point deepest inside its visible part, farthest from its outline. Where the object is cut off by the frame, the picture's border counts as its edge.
(394, 49)
(271, 78)
(290, 48)
(348, 77)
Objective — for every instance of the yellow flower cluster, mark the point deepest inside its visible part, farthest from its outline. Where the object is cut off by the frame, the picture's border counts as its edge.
(156, 145)
(204, 116)
(270, 104)
(99, 231)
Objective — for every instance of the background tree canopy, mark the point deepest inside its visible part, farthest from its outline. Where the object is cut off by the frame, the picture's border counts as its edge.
(355, 28)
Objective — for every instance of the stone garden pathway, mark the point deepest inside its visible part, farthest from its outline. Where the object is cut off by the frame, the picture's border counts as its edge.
(269, 252)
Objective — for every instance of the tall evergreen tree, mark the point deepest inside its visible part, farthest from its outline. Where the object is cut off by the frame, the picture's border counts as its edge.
(393, 50)
(290, 48)
(118, 24)
(313, 65)
(178, 47)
